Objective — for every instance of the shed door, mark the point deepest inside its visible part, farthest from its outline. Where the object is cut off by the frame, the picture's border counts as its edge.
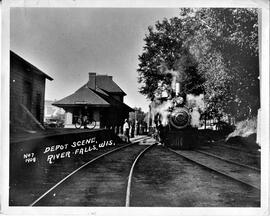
(27, 95)
(38, 107)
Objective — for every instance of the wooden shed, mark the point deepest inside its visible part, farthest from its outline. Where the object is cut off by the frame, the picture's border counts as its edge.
(27, 92)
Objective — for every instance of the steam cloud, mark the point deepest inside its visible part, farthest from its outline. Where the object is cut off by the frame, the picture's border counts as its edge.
(244, 128)
(197, 105)
(163, 110)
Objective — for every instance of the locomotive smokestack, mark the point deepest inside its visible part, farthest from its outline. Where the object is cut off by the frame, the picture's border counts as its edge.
(177, 88)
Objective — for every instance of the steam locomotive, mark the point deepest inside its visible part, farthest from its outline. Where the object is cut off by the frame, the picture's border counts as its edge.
(173, 120)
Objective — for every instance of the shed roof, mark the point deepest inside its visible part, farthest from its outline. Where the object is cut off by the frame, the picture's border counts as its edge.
(36, 70)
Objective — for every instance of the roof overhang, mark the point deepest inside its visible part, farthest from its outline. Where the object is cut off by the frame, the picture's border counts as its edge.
(35, 69)
(80, 105)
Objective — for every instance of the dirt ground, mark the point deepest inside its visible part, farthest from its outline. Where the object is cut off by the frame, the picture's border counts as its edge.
(166, 180)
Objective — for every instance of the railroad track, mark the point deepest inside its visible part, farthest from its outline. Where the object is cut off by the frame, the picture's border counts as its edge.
(240, 173)
(249, 153)
(69, 190)
(164, 179)
(240, 150)
(229, 161)
(161, 178)
(234, 155)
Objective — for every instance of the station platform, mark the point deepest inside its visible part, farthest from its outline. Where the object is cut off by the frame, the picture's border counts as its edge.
(25, 136)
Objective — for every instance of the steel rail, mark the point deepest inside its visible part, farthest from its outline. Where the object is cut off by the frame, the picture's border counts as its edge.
(238, 149)
(72, 173)
(131, 172)
(228, 161)
(215, 170)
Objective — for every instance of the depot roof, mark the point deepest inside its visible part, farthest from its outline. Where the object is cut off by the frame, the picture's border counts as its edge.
(83, 95)
(97, 92)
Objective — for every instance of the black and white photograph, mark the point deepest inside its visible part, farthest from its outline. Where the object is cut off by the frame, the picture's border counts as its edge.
(107, 107)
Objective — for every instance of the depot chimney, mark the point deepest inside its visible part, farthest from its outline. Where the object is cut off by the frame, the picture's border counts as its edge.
(92, 81)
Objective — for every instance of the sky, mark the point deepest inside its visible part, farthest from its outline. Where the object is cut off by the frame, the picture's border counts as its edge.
(68, 43)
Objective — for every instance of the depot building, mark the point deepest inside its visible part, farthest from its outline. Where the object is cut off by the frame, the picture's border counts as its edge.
(100, 99)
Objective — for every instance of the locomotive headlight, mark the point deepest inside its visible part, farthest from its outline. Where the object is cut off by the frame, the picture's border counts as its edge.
(180, 118)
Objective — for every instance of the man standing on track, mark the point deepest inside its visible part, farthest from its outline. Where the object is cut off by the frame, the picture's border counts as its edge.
(126, 130)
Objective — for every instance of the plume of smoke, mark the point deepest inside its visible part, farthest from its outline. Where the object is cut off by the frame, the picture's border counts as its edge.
(195, 118)
(197, 105)
(175, 74)
(175, 78)
(244, 128)
(162, 109)
(196, 101)
(162, 90)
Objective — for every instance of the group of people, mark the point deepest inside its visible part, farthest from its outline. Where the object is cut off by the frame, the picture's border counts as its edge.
(161, 132)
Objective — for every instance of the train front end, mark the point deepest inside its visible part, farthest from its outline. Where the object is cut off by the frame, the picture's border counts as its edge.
(177, 118)
(180, 134)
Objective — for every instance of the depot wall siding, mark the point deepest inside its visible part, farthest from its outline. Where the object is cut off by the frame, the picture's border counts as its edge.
(68, 117)
(21, 78)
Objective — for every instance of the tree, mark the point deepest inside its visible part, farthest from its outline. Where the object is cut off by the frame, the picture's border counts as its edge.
(232, 38)
(138, 115)
(164, 49)
(214, 50)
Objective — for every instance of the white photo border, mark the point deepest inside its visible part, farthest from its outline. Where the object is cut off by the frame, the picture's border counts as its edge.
(263, 5)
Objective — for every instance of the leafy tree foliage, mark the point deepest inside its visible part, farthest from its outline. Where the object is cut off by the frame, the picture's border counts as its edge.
(233, 35)
(216, 50)
(138, 115)
(164, 49)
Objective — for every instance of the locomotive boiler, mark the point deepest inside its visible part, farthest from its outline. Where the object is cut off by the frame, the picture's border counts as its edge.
(180, 134)
(174, 120)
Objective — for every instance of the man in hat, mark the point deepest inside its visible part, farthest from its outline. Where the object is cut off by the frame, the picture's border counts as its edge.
(126, 130)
